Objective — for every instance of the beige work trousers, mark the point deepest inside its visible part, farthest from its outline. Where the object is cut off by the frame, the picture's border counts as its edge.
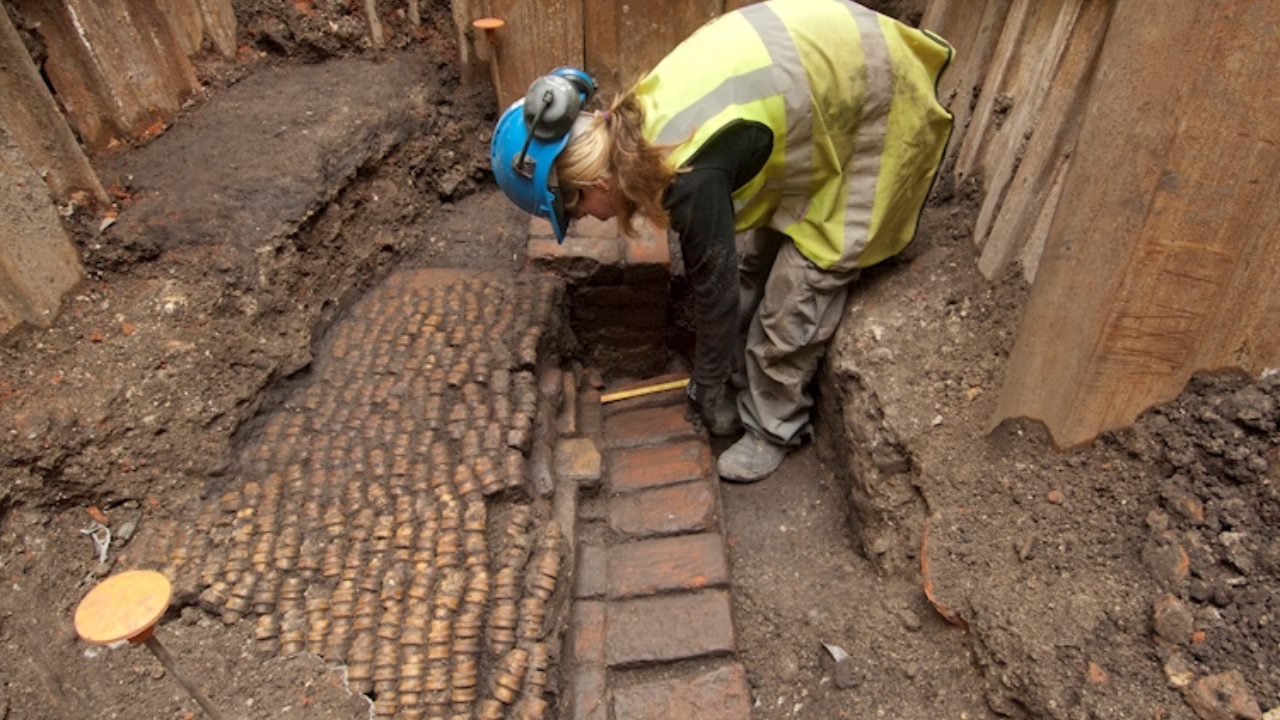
(789, 309)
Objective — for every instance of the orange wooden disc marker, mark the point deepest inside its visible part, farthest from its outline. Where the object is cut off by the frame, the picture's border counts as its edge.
(123, 607)
(127, 607)
(490, 27)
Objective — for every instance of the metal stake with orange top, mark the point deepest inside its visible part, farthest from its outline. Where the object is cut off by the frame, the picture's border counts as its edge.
(127, 607)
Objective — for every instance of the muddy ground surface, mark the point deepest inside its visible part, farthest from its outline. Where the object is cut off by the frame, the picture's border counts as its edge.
(1134, 578)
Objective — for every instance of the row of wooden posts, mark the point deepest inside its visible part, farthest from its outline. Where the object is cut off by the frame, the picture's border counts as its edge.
(1126, 149)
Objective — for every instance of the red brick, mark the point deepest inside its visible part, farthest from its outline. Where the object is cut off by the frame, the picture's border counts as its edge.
(621, 307)
(419, 281)
(590, 413)
(640, 356)
(541, 228)
(606, 252)
(649, 245)
(642, 468)
(623, 296)
(587, 693)
(591, 580)
(584, 260)
(721, 694)
(589, 227)
(685, 562)
(587, 631)
(667, 628)
(650, 426)
(684, 508)
(608, 340)
(648, 256)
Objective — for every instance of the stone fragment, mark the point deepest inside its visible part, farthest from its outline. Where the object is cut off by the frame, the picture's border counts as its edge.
(578, 459)
(1179, 671)
(1166, 559)
(1223, 697)
(1173, 620)
(1239, 554)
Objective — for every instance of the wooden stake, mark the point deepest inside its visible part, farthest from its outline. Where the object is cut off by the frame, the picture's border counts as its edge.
(375, 25)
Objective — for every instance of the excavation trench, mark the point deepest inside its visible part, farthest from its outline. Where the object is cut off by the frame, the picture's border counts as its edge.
(367, 515)
(263, 214)
(403, 510)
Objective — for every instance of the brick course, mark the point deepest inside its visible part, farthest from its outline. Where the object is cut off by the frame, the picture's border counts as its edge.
(686, 562)
(667, 628)
(644, 468)
(684, 508)
(651, 572)
(721, 694)
(649, 426)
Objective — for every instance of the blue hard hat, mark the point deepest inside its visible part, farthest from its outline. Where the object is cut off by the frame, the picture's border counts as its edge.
(529, 137)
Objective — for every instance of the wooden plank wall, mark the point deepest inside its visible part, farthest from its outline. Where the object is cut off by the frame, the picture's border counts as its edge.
(1018, 88)
(120, 69)
(616, 42)
(31, 117)
(38, 263)
(628, 39)
(538, 35)
(203, 26)
(1161, 258)
(116, 66)
(1098, 129)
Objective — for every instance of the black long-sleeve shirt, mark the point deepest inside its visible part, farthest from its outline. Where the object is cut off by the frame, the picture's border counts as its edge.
(700, 203)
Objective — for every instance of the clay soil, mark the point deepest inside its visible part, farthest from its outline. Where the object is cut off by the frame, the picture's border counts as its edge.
(1096, 582)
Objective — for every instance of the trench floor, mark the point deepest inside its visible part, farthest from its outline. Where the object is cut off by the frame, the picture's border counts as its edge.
(447, 510)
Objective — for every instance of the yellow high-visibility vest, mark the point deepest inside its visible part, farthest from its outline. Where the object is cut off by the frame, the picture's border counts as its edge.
(851, 98)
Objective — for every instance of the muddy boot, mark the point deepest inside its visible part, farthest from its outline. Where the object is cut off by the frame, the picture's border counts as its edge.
(751, 459)
(715, 408)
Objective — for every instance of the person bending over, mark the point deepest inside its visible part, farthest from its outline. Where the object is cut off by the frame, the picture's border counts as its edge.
(814, 124)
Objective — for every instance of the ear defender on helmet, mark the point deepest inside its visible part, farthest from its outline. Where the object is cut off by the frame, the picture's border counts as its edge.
(529, 137)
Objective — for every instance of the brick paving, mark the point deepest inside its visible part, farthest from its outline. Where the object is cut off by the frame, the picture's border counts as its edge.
(651, 587)
(393, 515)
(447, 510)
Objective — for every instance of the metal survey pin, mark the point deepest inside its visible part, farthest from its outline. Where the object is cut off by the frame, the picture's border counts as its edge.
(127, 607)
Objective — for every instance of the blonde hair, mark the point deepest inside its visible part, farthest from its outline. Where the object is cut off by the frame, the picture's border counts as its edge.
(611, 144)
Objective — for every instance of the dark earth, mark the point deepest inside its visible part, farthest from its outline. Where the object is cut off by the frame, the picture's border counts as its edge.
(1132, 578)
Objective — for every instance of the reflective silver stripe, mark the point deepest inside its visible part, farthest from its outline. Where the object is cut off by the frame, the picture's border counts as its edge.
(873, 127)
(755, 85)
(797, 98)
(785, 76)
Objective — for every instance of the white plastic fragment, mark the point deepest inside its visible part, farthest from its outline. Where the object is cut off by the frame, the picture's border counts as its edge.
(837, 653)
